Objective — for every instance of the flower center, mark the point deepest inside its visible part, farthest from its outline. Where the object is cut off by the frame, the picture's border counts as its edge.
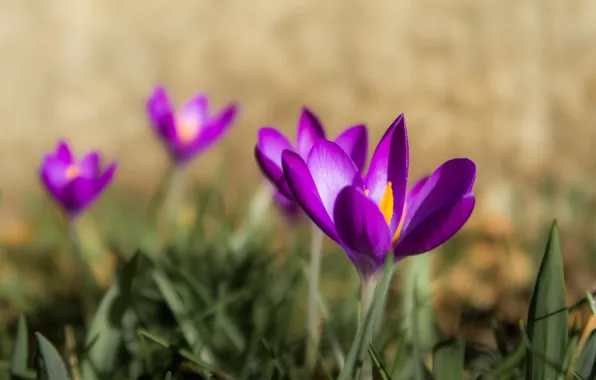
(386, 208)
(187, 128)
(72, 172)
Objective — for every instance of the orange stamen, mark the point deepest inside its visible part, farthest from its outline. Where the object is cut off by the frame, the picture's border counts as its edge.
(72, 172)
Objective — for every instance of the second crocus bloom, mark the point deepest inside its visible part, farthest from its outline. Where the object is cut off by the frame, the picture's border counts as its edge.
(271, 143)
(374, 215)
(189, 130)
(74, 184)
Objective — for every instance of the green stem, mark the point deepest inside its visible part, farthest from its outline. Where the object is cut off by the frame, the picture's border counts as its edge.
(367, 291)
(174, 203)
(85, 278)
(312, 327)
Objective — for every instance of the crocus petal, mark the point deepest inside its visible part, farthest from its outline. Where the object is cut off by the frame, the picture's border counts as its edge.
(362, 229)
(89, 165)
(81, 192)
(63, 152)
(390, 163)
(215, 127)
(272, 143)
(195, 110)
(354, 141)
(161, 113)
(446, 186)
(273, 172)
(106, 177)
(310, 130)
(332, 170)
(53, 176)
(290, 209)
(436, 229)
(305, 192)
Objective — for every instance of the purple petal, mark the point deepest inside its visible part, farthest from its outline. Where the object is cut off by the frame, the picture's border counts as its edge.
(161, 114)
(310, 130)
(354, 141)
(272, 143)
(215, 127)
(63, 152)
(332, 170)
(446, 186)
(53, 176)
(390, 163)
(436, 229)
(305, 192)
(289, 209)
(89, 165)
(273, 172)
(195, 110)
(80, 192)
(362, 229)
(106, 177)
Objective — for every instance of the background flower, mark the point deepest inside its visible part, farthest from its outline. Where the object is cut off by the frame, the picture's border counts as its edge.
(188, 131)
(74, 184)
(271, 144)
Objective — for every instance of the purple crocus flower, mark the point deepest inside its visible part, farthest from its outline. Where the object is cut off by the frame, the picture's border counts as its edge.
(188, 131)
(271, 143)
(374, 215)
(74, 184)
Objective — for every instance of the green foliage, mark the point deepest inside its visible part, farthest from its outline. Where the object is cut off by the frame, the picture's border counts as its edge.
(221, 300)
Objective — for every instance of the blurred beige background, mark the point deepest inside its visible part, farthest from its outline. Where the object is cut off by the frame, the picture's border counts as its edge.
(508, 83)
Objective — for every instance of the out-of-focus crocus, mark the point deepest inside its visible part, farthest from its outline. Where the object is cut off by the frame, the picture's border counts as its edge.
(189, 130)
(375, 215)
(271, 143)
(74, 184)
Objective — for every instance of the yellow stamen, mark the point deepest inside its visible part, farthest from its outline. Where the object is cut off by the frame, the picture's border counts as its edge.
(386, 205)
(386, 208)
(72, 172)
(187, 128)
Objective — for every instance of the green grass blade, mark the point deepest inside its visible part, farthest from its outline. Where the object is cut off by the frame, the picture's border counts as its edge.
(20, 352)
(168, 376)
(53, 366)
(365, 332)
(448, 360)
(547, 317)
(378, 364)
(586, 363)
(105, 333)
(182, 314)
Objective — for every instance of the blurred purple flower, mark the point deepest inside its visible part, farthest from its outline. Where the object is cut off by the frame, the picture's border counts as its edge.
(271, 143)
(74, 184)
(188, 131)
(374, 215)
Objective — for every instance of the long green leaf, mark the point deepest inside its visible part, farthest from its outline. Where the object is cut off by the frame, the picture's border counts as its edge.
(53, 367)
(105, 333)
(547, 317)
(20, 352)
(365, 332)
(378, 364)
(448, 360)
(182, 314)
(586, 364)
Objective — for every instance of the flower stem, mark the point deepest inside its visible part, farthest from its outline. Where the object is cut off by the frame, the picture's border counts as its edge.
(367, 291)
(86, 292)
(174, 202)
(312, 327)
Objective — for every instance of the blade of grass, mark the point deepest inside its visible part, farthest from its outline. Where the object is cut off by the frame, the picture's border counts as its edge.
(378, 364)
(448, 360)
(547, 331)
(20, 352)
(52, 364)
(182, 315)
(105, 333)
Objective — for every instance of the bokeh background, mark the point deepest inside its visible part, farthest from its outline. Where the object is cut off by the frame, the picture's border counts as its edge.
(510, 84)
